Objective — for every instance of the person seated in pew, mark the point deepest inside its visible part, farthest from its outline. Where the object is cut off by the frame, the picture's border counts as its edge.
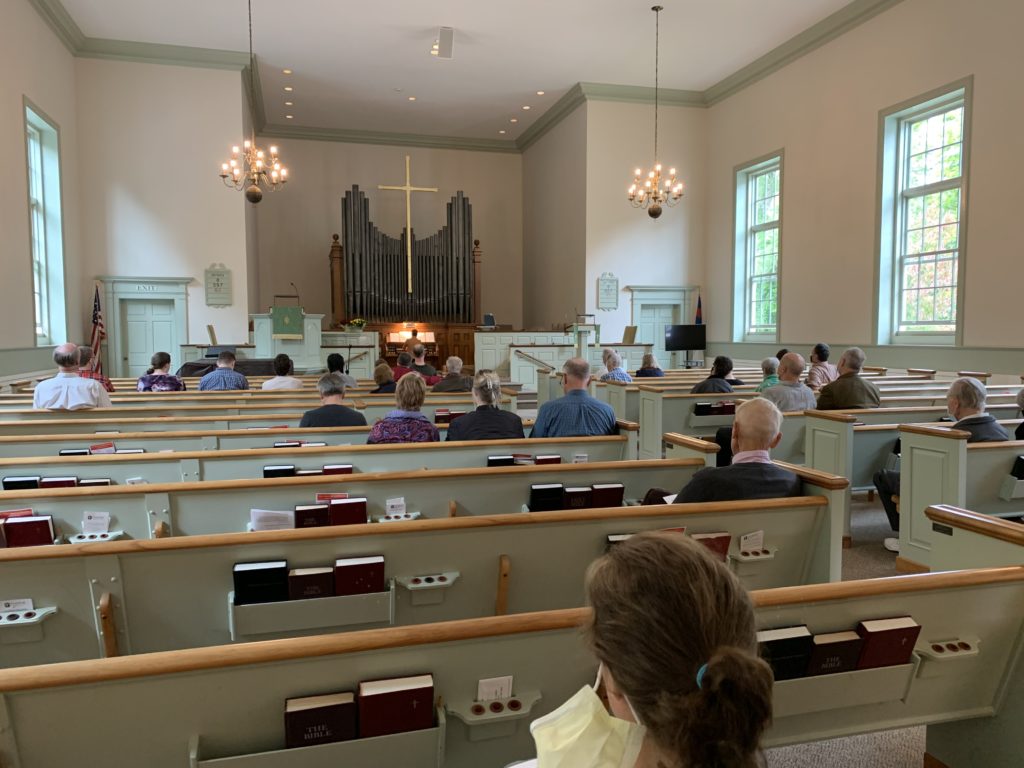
(419, 362)
(453, 380)
(790, 394)
(966, 403)
(850, 390)
(87, 370)
(283, 379)
(224, 376)
(770, 371)
(752, 475)
(822, 372)
(336, 364)
(674, 635)
(403, 366)
(488, 421)
(384, 379)
(577, 414)
(406, 424)
(649, 367)
(159, 377)
(781, 354)
(718, 380)
(615, 370)
(331, 412)
(67, 391)
(1019, 433)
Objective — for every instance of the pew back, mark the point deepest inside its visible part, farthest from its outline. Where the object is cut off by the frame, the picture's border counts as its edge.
(965, 539)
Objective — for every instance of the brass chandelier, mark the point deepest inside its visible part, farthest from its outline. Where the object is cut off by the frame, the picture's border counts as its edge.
(250, 168)
(650, 192)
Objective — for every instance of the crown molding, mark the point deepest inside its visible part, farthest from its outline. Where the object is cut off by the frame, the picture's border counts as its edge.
(642, 94)
(555, 114)
(391, 139)
(259, 112)
(839, 23)
(59, 20)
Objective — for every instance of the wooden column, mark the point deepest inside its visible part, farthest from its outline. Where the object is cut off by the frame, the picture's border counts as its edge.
(478, 310)
(337, 285)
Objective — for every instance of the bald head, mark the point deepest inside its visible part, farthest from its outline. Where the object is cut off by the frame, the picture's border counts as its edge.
(66, 357)
(757, 426)
(577, 374)
(791, 367)
(966, 397)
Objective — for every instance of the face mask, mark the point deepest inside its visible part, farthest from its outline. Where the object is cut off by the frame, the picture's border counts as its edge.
(581, 734)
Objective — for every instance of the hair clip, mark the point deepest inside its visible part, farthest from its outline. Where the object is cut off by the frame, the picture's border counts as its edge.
(700, 675)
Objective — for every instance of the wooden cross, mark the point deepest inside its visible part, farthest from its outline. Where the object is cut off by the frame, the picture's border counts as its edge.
(408, 188)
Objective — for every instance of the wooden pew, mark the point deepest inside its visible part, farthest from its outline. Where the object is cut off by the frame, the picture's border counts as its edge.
(185, 582)
(163, 709)
(965, 539)
(188, 466)
(938, 466)
(188, 509)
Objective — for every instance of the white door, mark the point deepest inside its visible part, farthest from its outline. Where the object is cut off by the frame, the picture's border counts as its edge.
(651, 329)
(148, 327)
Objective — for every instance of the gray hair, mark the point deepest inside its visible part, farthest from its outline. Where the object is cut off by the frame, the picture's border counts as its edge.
(770, 366)
(854, 357)
(331, 384)
(970, 392)
(613, 361)
(487, 387)
(605, 354)
(454, 364)
(577, 367)
(66, 356)
(761, 420)
(84, 355)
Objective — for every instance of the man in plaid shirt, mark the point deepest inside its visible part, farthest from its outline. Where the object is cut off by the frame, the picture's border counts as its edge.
(86, 371)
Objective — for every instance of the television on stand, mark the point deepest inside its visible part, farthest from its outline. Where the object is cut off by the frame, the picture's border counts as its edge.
(686, 338)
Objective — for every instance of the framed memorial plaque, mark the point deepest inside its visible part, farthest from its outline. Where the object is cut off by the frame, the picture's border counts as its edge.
(218, 286)
(607, 291)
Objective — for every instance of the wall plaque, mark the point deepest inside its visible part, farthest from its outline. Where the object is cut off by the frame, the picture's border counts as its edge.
(607, 291)
(218, 286)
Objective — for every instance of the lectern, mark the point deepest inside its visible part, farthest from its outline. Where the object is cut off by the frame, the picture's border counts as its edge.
(301, 344)
(582, 330)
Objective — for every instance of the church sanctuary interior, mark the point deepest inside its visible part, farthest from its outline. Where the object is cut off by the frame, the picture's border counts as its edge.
(378, 376)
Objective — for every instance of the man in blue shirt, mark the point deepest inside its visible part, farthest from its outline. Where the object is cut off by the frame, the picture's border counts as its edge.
(224, 375)
(613, 362)
(577, 414)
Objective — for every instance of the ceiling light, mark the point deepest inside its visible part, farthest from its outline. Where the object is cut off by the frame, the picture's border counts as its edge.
(502, 131)
(289, 103)
(286, 71)
(412, 98)
(540, 93)
(514, 120)
(289, 117)
(526, 106)
(289, 88)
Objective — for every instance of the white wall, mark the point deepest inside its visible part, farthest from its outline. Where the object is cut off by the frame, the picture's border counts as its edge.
(554, 204)
(823, 110)
(152, 205)
(35, 66)
(294, 226)
(623, 240)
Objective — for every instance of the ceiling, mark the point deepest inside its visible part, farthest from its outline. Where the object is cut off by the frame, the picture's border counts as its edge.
(356, 62)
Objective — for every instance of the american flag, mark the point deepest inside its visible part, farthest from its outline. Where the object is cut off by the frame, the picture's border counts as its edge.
(99, 331)
(699, 319)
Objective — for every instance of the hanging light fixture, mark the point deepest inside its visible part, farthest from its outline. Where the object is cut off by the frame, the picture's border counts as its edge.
(649, 191)
(250, 168)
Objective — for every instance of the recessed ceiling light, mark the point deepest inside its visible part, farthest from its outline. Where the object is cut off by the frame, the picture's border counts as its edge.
(435, 52)
(540, 93)
(514, 120)
(289, 103)
(398, 90)
(289, 88)
(412, 98)
(286, 71)
(526, 106)
(501, 131)
(289, 117)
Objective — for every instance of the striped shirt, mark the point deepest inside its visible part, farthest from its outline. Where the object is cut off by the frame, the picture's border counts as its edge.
(575, 415)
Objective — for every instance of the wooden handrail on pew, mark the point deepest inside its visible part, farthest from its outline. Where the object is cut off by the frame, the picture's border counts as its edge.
(271, 651)
(548, 367)
(693, 443)
(986, 525)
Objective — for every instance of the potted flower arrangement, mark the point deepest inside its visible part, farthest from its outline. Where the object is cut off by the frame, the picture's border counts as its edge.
(355, 325)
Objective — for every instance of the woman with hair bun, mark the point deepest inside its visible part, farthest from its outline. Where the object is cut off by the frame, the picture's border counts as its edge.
(159, 378)
(673, 632)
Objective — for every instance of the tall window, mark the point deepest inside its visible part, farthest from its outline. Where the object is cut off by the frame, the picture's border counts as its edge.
(46, 236)
(758, 244)
(923, 241)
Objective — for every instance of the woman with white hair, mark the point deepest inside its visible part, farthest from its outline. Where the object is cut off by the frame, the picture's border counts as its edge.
(770, 369)
(613, 362)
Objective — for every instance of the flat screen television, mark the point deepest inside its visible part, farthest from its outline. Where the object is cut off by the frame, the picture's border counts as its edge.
(679, 338)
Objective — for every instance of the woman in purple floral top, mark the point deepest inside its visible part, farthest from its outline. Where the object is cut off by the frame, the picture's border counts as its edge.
(407, 424)
(158, 378)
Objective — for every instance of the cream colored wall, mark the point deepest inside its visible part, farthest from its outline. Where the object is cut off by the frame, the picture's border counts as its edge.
(294, 226)
(35, 66)
(623, 240)
(555, 188)
(153, 138)
(823, 110)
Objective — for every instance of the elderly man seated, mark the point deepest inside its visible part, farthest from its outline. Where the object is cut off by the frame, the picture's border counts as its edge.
(752, 475)
(332, 411)
(577, 414)
(770, 371)
(966, 403)
(613, 362)
(850, 390)
(453, 380)
(68, 391)
(790, 394)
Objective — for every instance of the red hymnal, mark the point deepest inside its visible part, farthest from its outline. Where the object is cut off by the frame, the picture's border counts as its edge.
(442, 416)
(348, 511)
(887, 642)
(547, 458)
(308, 472)
(577, 498)
(304, 583)
(58, 482)
(521, 459)
(453, 415)
(319, 719)
(834, 652)
(24, 512)
(337, 469)
(359, 575)
(717, 542)
(608, 494)
(29, 531)
(396, 706)
(312, 515)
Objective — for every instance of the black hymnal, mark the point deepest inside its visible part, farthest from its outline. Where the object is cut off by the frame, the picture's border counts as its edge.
(578, 498)
(834, 652)
(304, 583)
(1018, 468)
(702, 409)
(787, 650)
(265, 582)
(288, 444)
(279, 470)
(545, 497)
(608, 494)
(312, 515)
(501, 461)
(21, 483)
(74, 452)
(319, 719)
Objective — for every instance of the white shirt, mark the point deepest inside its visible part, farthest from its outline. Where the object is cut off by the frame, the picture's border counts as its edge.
(283, 382)
(70, 392)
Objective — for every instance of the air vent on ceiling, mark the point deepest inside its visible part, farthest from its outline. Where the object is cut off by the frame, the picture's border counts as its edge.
(445, 42)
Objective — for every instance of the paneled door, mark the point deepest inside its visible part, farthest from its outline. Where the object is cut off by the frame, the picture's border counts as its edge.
(148, 327)
(651, 329)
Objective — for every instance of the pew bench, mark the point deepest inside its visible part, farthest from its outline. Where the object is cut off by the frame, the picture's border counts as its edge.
(964, 539)
(163, 709)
